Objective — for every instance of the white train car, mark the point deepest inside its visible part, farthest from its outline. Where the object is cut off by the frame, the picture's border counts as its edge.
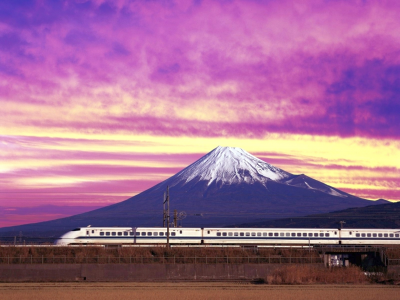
(275, 236)
(97, 235)
(151, 235)
(370, 236)
(129, 235)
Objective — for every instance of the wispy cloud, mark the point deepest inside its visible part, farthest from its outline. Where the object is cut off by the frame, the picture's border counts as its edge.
(243, 68)
(76, 76)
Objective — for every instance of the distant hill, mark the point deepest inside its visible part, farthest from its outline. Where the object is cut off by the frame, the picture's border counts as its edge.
(226, 186)
(374, 216)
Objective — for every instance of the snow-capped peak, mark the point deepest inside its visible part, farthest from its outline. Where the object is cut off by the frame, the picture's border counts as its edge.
(230, 165)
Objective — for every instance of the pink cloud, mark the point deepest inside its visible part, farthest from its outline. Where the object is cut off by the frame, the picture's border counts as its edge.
(374, 193)
(318, 68)
(190, 68)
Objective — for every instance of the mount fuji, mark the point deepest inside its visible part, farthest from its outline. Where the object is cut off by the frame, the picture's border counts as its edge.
(226, 186)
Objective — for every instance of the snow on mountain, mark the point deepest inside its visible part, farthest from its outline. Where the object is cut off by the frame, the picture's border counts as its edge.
(303, 181)
(230, 165)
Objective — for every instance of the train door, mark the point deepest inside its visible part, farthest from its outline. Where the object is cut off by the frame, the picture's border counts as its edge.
(88, 235)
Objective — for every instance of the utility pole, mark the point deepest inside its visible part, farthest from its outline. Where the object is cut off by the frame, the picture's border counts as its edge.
(166, 213)
(340, 231)
(341, 224)
(175, 218)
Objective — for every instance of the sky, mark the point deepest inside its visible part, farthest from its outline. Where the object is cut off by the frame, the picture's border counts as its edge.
(100, 100)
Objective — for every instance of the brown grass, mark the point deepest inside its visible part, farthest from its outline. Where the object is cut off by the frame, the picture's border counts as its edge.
(309, 274)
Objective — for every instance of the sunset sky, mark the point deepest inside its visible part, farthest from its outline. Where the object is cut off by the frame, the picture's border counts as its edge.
(100, 100)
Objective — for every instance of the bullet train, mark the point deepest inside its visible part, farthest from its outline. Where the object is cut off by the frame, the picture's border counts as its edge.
(227, 236)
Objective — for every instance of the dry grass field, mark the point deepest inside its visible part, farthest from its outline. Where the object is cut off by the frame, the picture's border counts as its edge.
(193, 291)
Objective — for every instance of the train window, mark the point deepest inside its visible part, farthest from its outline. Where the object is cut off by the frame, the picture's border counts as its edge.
(265, 234)
(391, 235)
(172, 233)
(269, 233)
(287, 233)
(253, 234)
(368, 235)
(396, 235)
(131, 233)
(180, 231)
(247, 233)
(155, 234)
(304, 233)
(335, 233)
(107, 233)
(92, 231)
(379, 234)
(224, 234)
(143, 233)
(310, 234)
(321, 234)
(113, 233)
(357, 235)
(101, 233)
(362, 234)
(374, 235)
(282, 234)
(293, 234)
(230, 234)
(299, 234)
(242, 234)
(161, 234)
(236, 233)
(385, 235)
(87, 232)
(276, 233)
(149, 233)
(119, 233)
(218, 233)
(350, 233)
(326, 234)
(258, 233)
(316, 234)
(126, 233)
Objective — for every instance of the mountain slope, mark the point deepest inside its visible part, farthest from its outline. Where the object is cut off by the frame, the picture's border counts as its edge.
(226, 186)
(385, 215)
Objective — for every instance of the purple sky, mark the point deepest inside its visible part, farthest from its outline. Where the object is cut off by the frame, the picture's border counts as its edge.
(103, 99)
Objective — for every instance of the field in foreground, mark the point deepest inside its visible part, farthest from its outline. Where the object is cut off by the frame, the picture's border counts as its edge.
(191, 290)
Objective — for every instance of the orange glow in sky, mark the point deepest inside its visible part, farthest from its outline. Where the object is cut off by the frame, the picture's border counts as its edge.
(103, 99)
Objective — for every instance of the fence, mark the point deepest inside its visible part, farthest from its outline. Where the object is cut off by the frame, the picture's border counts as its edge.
(159, 260)
(393, 262)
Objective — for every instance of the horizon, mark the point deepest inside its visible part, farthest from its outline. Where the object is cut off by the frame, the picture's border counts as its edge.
(103, 99)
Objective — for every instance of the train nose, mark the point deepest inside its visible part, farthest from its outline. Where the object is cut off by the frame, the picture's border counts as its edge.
(60, 242)
(64, 240)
